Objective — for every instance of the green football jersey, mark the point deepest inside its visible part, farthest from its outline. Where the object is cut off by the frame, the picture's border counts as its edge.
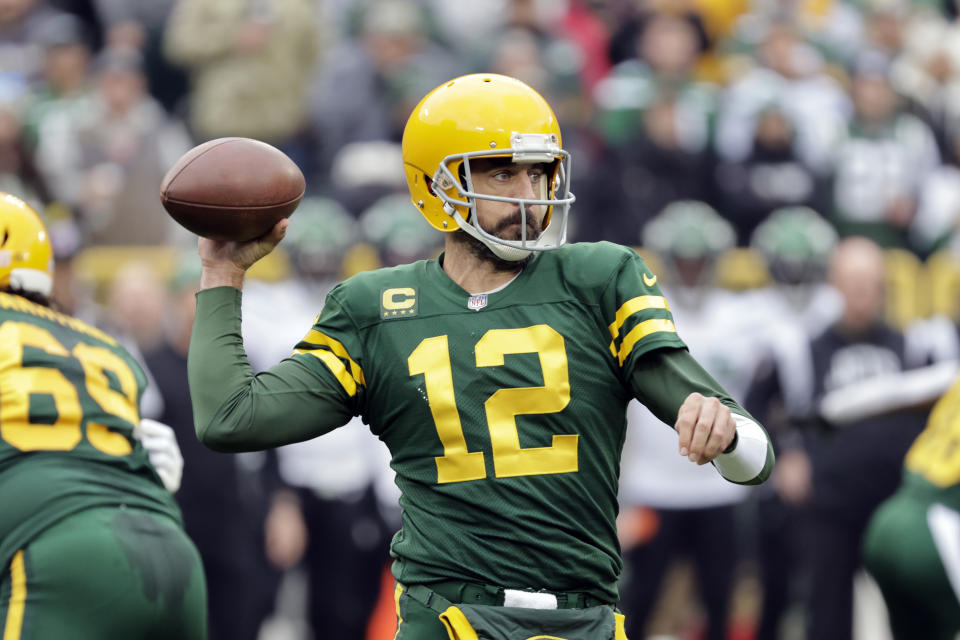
(504, 412)
(69, 398)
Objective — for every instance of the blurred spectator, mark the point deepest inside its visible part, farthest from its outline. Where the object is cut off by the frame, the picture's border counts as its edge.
(135, 305)
(881, 160)
(324, 512)
(855, 465)
(139, 25)
(655, 120)
(694, 508)
(628, 40)
(584, 25)
(18, 170)
(249, 63)
(103, 161)
(885, 25)
(938, 206)
(64, 89)
(222, 502)
(788, 73)
(926, 70)
(771, 176)
(21, 51)
(834, 27)
(370, 85)
(133, 313)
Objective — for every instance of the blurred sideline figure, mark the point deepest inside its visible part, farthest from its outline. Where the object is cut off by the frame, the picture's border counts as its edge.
(222, 503)
(796, 244)
(855, 464)
(324, 513)
(87, 517)
(695, 510)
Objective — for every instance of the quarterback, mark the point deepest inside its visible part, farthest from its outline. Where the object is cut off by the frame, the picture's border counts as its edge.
(497, 374)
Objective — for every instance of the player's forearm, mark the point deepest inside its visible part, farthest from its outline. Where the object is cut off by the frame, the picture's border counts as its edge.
(662, 381)
(234, 410)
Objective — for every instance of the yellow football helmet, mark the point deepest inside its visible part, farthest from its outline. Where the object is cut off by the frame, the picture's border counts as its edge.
(485, 115)
(26, 256)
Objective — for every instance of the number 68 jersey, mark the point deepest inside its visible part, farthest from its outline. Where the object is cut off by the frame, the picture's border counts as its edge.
(69, 399)
(504, 413)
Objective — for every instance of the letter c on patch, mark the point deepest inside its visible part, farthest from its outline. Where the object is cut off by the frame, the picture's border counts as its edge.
(396, 299)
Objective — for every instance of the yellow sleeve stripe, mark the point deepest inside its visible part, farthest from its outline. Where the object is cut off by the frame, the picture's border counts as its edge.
(641, 331)
(633, 305)
(336, 366)
(319, 339)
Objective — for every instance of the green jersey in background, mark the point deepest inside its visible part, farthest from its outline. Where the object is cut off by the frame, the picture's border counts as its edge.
(69, 397)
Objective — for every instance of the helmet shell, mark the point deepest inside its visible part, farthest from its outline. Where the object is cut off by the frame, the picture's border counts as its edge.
(26, 255)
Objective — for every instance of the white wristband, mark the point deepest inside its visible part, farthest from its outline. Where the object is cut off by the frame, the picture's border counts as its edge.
(747, 460)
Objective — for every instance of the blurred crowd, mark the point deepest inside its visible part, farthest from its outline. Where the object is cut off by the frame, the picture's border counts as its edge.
(790, 168)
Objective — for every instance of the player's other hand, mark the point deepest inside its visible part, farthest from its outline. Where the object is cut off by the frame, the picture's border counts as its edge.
(225, 262)
(706, 427)
(160, 441)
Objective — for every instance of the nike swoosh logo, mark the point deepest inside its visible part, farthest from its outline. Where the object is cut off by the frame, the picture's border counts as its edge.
(647, 280)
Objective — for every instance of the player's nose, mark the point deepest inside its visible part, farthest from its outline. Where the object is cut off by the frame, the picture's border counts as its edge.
(525, 188)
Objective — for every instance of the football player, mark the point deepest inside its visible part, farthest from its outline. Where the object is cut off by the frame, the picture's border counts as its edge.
(497, 374)
(912, 544)
(91, 542)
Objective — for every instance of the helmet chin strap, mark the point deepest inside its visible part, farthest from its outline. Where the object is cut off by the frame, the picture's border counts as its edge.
(504, 252)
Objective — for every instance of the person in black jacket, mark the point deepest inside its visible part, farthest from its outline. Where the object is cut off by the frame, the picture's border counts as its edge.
(857, 464)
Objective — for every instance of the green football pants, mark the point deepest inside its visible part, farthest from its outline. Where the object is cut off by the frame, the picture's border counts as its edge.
(106, 573)
(900, 553)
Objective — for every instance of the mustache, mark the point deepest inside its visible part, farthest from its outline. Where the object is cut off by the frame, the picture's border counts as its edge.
(517, 218)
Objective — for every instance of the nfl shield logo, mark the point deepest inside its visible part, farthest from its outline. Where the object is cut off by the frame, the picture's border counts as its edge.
(477, 302)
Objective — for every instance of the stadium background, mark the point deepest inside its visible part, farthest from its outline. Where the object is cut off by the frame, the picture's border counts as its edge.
(846, 107)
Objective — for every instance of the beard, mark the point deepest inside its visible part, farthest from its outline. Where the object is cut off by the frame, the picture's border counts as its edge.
(482, 252)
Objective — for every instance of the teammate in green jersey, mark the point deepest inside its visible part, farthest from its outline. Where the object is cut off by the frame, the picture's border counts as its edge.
(497, 375)
(912, 545)
(91, 543)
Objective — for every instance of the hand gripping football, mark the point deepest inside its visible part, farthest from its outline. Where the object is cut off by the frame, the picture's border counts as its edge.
(232, 189)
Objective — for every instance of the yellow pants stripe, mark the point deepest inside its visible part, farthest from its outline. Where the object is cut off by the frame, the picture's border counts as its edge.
(397, 592)
(18, 598)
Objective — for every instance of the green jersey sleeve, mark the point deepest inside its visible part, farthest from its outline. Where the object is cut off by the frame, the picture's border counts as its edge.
(235, 410)
(332, 350)
(637, 314)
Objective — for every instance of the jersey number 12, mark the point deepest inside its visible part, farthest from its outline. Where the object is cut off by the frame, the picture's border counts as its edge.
(431, 358)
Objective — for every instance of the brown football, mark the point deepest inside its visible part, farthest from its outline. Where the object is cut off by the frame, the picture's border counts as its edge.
(232, 189)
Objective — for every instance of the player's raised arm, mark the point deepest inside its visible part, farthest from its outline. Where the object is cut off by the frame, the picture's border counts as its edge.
(233, 409)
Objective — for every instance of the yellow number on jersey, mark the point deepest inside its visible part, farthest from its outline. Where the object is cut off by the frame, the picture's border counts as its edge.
(18, 383)
(432, 359)
(935, 454)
